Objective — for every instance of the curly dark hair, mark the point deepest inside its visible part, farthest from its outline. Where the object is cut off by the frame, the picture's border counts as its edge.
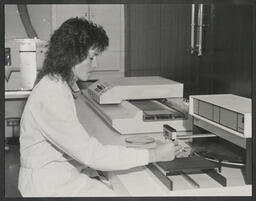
(69, 45)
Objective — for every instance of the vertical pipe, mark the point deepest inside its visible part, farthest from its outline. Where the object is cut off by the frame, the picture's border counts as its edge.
(192, 46)
(200, 30)
(25, 19)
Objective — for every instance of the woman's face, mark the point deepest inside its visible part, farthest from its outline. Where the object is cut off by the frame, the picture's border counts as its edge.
(83, 69)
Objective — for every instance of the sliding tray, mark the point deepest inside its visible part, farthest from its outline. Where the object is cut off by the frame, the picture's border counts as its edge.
(185, 166)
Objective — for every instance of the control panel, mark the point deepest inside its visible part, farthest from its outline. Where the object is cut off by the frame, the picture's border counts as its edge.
(97, 90)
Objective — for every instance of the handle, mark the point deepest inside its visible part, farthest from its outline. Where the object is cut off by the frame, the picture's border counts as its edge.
(200, 30)
(192, 36)
(190, 180)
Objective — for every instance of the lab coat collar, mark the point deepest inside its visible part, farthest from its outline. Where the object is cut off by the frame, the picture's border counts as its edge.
(75, 90)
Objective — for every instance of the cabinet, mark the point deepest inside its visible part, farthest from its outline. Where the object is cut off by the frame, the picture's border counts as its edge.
(157, 38)
(158, 41)
(111, 18)
(14, 104)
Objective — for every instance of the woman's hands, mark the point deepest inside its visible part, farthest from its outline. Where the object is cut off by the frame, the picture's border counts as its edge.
(164, 152)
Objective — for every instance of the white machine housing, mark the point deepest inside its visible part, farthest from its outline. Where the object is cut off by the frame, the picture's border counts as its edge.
(115, 90)
(229, 117)
(113, 102)
(229, 112)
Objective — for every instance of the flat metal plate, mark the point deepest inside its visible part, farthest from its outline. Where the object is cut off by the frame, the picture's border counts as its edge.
(219, 150)
(154, 110)
(193, 163)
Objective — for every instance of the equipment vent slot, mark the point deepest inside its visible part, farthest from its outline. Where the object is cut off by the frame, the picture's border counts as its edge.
(153, 110)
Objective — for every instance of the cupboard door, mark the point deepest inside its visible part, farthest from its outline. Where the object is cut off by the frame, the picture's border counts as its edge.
(62, 12)
(143, 41)
(225, 64)
(158, 42)
(175, 42)
(110, 17)
(232, 49)
(202, 66)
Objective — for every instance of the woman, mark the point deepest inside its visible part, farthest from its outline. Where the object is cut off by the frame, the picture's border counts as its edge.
(57, 154)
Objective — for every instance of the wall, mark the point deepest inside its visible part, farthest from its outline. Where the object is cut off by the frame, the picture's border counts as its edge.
(158, 42)
(41, 19)
(232, 59)
(40, 16)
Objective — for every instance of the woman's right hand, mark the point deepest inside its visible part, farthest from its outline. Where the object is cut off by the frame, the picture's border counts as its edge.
(164, 152)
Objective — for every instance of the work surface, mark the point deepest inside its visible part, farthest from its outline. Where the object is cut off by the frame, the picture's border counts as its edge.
(140, 181)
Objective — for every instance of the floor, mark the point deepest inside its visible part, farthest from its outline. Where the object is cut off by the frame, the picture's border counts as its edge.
(12, 163)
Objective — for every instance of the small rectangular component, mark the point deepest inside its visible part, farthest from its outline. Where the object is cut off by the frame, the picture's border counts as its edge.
(7, 55)
(169, 132)
(240, 123)
(216, 114)
(205, 110)
(195, 106)
(228, 118)
(154, 110)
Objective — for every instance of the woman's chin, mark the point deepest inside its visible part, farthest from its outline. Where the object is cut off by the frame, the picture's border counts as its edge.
(83, 78)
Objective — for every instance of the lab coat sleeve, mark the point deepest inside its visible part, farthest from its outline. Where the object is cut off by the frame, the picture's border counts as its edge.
(60, 125)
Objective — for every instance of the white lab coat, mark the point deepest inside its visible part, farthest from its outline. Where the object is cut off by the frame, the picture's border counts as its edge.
(57, 154)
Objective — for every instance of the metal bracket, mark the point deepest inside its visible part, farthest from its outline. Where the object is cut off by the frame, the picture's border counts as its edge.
(216, 176)
(162, 177)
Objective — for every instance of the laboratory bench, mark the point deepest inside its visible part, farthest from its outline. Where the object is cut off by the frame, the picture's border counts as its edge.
(14, 105)
(15, 101)
(140, 181)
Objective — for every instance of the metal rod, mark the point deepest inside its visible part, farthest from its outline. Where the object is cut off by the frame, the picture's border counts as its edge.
(200, 29)
(195, 136)
(172, 134)
(192, 48)
(190, 180)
